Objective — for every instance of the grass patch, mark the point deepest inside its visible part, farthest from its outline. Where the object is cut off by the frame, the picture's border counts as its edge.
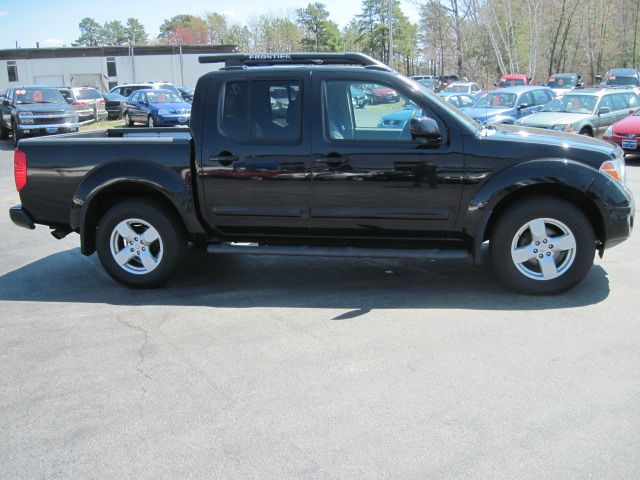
(102, 125)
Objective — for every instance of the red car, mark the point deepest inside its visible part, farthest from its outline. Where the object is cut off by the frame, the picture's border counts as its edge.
(625, 133)
(383, 95)
(514, 80)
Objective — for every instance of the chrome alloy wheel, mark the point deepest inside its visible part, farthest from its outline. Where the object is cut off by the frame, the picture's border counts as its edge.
(136, 246)
(543, 249)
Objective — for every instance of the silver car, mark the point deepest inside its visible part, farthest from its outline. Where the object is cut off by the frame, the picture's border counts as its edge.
(587, 112)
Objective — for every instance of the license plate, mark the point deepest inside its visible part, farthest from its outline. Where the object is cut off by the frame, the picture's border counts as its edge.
(630, 144)
(52, 129)
(183, 119)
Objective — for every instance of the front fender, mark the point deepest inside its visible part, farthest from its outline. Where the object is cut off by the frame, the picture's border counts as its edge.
(556, 172)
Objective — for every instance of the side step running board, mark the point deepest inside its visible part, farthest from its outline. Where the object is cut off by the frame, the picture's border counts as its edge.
(255, 249)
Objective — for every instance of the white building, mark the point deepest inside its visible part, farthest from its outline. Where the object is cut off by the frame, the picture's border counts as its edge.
(105, 67)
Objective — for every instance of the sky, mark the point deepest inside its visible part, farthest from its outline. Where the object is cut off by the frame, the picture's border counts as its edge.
(54, 23)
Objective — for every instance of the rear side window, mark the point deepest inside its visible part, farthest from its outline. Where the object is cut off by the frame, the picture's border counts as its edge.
(632, 100)
(262, 111)
(526, 99)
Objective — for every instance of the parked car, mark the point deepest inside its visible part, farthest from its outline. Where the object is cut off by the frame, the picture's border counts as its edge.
(446, 80)
(513, 80)
(622, 77)
(35, 110)
(431, 84)
(508, 104)
(587, 112)
(128, 88)
(358, 96)
(441, 188)
(156, 108)
(562, 83)
(398, 119)
(87, 102)
(625, 133)
(187, 93)
(114, 104)
(471, 88)
(382, 95)
(461, 100)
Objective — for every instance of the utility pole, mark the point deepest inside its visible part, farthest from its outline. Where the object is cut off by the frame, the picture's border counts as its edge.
(391, 33)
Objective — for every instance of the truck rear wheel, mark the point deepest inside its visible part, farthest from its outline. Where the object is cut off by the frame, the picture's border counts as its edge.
(141, 244)
(542, 246)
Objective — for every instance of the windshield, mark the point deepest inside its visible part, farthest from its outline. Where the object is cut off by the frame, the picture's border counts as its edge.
(168, 86)
(512, 82)
(621, 81)
(457, 89)
(562, 82)
(572, 104)
(188, 90)
(496, 100)
(38, 95)
(87, 94)
(164, 97)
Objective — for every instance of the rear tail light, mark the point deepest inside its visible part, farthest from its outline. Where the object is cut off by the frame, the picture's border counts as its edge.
(78, 104)
(20, 168)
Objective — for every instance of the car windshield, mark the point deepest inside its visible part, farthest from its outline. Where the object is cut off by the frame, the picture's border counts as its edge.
(615, 80)
(572, 104)
(87, 94)
(496, 100)
(457, 89)
(562, 82)
(38, 95)
(164, 97)
(512, 82)
(168, 86)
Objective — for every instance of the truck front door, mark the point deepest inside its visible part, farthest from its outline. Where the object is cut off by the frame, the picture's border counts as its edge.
(255, 167)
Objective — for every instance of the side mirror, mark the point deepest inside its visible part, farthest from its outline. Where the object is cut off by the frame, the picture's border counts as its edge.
(427, 130)
(604, 110)
(6, 102)
(523, 106)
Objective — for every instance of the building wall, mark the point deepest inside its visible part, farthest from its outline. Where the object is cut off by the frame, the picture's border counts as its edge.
(182, 70)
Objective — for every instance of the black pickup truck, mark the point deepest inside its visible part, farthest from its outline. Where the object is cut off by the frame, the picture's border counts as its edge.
(279, 160)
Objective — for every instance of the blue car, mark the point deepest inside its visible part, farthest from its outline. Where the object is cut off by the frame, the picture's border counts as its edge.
(399, 118)
(156, 108)
(508, 104)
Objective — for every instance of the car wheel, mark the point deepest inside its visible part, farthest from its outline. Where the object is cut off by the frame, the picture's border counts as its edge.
(127, 120)
(15, 133)
(141, 244)
(586, 132)
(542, 246)
(150, 122)
(4, 133)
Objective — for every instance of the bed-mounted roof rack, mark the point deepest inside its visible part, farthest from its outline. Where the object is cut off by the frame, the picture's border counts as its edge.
(244, 60)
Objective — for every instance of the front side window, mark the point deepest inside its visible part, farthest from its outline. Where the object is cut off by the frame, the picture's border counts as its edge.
(12, 71)
(384, 116)
(262, 110)
(540, 97)
(619, 102)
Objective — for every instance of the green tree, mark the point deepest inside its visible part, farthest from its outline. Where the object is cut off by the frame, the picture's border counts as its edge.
(114, 33)
(91, 33)
(135, 31)
(217, 28)
(240, 35)
(320, 33)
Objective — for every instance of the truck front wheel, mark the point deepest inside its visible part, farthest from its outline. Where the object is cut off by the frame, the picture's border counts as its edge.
(543, 246)
(141, 244)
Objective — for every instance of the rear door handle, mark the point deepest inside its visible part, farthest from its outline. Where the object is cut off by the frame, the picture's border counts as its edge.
(224, 160)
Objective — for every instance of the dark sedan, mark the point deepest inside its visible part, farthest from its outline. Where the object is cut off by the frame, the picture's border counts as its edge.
(114, 104)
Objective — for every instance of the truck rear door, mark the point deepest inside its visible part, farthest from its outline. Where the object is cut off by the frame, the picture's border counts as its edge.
(256, 166)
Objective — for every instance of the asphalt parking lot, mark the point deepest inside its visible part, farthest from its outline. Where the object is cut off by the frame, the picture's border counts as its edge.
(272, 368)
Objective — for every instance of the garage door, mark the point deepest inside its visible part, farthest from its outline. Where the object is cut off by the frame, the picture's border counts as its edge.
(86, 80)
(49, 80)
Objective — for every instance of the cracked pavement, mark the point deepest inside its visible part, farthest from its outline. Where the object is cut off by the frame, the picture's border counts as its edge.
(290, 368)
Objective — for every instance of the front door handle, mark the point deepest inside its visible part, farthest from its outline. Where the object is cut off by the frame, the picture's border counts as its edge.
(224, 160)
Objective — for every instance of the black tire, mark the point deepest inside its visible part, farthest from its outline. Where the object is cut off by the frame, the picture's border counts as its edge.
(16, 134)
(167, 253)
(572, 264)
(127, 119)
(586, 132)
(4, 133)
